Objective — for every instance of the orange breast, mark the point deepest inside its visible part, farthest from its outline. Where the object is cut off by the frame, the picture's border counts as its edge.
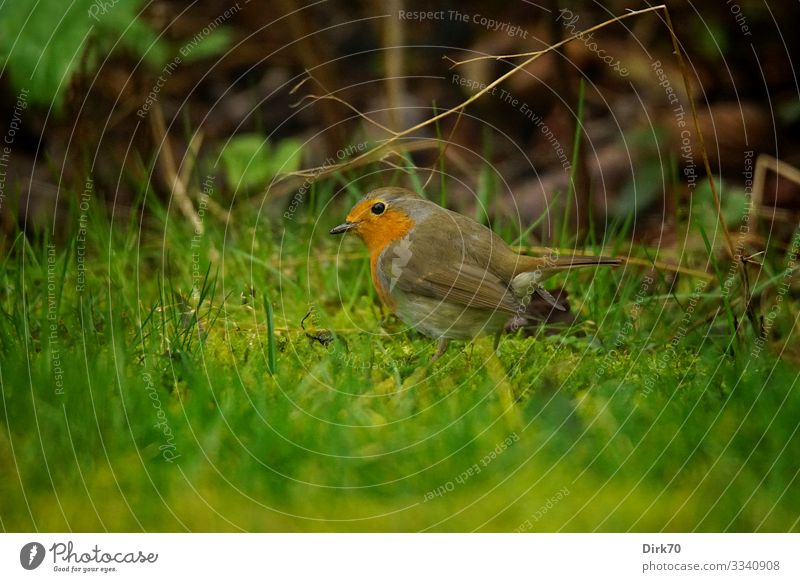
(377, 234)
(383, 292)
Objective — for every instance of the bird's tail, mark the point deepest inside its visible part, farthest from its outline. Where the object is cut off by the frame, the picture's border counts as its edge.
(531, 271)
(576, 261)
(544, 306)
(550, 309)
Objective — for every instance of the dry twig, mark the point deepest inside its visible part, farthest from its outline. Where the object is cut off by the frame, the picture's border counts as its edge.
(176, 184)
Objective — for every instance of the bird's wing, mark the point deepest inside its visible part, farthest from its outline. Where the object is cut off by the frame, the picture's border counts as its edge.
(434, 267)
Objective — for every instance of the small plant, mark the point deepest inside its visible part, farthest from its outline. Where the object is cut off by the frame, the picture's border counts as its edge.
(44, 44)
(251, 161)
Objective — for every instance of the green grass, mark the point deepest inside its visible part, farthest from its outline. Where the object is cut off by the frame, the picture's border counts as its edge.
(211, 409)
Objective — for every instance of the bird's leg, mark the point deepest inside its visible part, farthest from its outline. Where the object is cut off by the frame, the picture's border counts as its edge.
(441, 348)
(497, 339)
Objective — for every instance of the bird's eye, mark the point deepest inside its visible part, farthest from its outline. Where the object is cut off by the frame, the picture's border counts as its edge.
(378, 208)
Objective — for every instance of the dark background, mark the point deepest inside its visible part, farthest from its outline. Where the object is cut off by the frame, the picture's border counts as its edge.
(739, 56)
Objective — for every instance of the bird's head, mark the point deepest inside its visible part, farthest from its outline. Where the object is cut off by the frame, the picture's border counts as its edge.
(382, 216)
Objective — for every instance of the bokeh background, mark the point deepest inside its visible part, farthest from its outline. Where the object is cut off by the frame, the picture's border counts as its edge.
(87, 77)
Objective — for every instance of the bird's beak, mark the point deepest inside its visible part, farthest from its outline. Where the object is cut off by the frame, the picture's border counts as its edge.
(343, 228)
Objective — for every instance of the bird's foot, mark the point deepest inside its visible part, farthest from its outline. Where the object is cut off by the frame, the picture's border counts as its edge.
(441, 348)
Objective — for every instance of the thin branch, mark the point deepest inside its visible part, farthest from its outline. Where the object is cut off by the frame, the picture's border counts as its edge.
(764, 163)
(166, 159)
(324, 170)
(332, 97)
(393, 48)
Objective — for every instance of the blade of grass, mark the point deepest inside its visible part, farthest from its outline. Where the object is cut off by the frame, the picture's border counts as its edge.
(359, 283)
(484, 189)
(715, 264)
(442, 186)
(413, 174)
(272, 348)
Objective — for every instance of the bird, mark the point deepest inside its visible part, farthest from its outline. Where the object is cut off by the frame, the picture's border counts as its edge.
(448, 276)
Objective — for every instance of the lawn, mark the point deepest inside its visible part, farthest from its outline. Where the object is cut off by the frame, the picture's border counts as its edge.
(246, 378)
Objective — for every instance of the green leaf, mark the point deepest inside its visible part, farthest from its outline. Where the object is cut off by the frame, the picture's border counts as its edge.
(216, 43)
(250, 162)
(44, 44)
(244, 160)
(732, 200)
(286, 157)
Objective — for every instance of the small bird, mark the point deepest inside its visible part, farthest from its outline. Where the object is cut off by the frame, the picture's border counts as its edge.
(446, 275)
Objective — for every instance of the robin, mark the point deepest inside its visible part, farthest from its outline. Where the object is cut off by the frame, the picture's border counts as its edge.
(448, 276)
